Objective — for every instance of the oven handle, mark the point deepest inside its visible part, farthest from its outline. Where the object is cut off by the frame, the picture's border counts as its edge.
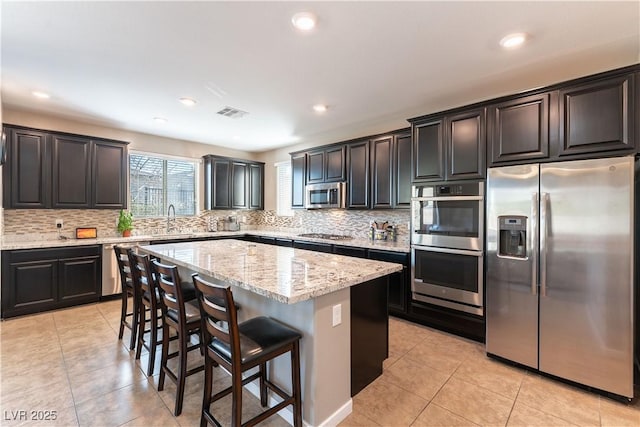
(446, 199)
(447, 251)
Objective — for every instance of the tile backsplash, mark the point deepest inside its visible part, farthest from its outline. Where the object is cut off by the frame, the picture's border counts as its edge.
(40, 223)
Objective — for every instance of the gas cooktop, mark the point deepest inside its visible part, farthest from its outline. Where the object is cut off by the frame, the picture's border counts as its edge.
(325, 236)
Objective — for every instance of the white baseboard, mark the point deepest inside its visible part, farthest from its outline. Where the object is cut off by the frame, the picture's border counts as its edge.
(287, 413)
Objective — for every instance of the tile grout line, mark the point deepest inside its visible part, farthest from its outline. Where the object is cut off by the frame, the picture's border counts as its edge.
(66, 370)
(513, 405)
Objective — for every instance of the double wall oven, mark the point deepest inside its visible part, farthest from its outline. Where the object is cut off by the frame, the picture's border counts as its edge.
(447, 241)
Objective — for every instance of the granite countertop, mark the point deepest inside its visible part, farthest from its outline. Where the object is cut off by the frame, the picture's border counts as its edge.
(16, 243)
(284, 274)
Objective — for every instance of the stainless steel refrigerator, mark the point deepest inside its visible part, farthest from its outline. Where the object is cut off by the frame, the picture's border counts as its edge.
(559, 273)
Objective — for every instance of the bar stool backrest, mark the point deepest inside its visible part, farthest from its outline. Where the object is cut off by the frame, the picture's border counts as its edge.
(168, 281)
(145, 279)
(219, 317)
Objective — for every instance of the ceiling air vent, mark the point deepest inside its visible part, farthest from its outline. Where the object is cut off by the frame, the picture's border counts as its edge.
(234, 113)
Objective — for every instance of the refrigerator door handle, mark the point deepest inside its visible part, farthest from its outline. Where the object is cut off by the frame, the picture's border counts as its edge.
(544, 201)
(533, 243)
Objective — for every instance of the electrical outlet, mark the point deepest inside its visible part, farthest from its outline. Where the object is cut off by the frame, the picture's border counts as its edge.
(59, 223)
(337, 314)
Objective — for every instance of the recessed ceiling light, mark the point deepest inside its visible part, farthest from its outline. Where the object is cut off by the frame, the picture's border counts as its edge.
(40, 95)
(514, 40)
(319, 108)
(236, 136)
(188, 102)
(160, 120)
(304, 21)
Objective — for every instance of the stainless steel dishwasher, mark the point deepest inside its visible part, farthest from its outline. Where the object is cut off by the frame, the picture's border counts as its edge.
(110, 276)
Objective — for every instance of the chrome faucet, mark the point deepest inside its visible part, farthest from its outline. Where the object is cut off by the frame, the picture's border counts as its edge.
(171, 222)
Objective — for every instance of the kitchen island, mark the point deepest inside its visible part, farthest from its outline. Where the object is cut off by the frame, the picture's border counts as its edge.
(339, 304)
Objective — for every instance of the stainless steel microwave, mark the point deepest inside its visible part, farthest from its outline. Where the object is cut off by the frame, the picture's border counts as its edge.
(325, 196)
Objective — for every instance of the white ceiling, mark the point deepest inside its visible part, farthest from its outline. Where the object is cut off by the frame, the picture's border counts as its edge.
(374, 64)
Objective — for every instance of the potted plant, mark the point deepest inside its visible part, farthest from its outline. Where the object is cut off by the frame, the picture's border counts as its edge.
(125, 223)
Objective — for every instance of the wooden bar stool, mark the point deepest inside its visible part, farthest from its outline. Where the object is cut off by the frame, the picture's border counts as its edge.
(147, 288)
(128, 290)
(184, 318)
(240, 347)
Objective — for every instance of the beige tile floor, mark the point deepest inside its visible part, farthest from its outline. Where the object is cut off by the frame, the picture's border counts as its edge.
(71, 362)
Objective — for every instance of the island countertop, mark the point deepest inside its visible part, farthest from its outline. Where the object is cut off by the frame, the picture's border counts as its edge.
(284, 274)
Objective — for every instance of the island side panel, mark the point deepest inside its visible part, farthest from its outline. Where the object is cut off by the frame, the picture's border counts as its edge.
(369, 331)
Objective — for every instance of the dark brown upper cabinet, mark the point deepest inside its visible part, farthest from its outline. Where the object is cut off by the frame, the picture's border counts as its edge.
(25, 175)
(381, 172)
(109, 168)
(239, 182)
(358, 175)
(326, 165)
(401, 174)
(518, 130)
(428, 150)
(233, 183)
(63, 171)
(71, 172)
(598, 116)
(298, 172)
(466, 139)
(450, 147)
(256, 183)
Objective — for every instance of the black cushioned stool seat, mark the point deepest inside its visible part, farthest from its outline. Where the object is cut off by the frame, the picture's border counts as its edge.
(257, 336)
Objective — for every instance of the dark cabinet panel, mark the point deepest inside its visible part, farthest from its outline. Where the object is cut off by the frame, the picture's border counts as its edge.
(598, 116)
(256, 184)
(298, 165)
(402, 171)
(78, 277)
(369, 332)
(110, 172)
(381, 169)
(358, 175)
(71, 172)
(318, 247)
(67, 171)
(233, 183)
(34, 284)
(45, 279)
(334, 158)
(221, 185)
(350, 251)
(315, 167)
(466, 145)
(239, 185)
(399, 283)
(451, 147)
(428, 151)
(26, 175)
(519, 129)
(326, 165)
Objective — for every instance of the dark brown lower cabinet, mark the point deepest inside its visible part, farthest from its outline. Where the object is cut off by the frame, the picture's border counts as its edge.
(35, 280)
(399, 288)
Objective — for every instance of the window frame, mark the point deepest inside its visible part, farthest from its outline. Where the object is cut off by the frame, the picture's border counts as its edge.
(197, 163)
(286, 211)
